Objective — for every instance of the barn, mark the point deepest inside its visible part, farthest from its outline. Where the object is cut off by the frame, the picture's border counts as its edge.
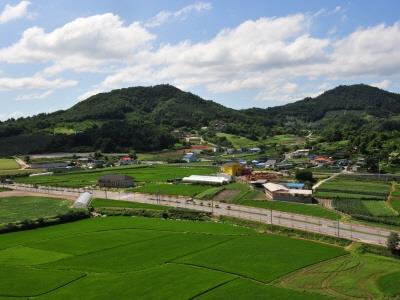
(115, 181)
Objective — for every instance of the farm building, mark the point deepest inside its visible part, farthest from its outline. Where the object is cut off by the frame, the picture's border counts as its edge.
(232, 169)
(115, 181)
(280, 192)
(190, 157)
(83, 200)
(270, 164)
(217, 180)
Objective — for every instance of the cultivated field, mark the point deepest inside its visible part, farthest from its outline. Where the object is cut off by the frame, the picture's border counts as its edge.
(139, 258)
(349, 187)
(97, 203)
(14, 209)
(8, 164)
(350, 277)
(140, 174)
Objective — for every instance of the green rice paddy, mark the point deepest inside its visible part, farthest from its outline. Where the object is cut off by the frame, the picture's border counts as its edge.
(139, 258)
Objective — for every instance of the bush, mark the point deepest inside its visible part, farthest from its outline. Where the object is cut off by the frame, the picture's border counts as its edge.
(70, 216)
(304, 176)
(393, 243)
(173, 213)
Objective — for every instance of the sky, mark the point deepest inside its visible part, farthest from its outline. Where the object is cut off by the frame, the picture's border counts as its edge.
(241, 54)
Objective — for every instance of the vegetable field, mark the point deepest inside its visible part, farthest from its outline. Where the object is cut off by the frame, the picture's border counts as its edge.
(14, 209)
(8, 164)
(140, 174)
(351, 187)
(139, 258)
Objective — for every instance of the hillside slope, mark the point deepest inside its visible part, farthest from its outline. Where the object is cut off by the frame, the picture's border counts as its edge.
(143, 118)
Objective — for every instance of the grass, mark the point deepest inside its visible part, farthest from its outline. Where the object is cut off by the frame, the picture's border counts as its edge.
(348, 277)
(125, 258)
(239, 141)
(98, 202)
(8, 164)
(189, 190)
(14, 209)
(140, 174)
(313, 210)
(243, 142)
(389, 284)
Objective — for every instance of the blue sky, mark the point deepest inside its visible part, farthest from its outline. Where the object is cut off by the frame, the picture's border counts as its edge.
(261, 53)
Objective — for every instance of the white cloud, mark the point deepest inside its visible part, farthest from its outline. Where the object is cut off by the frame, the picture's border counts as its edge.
(10, 12)
(384, 84)
(39, 96)
(271, 56)
(373, 50)
(84, 44)
(181, 14)
(36, 82)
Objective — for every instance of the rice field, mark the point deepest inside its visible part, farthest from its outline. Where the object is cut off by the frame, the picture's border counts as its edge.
(139, 258)
(349, 277)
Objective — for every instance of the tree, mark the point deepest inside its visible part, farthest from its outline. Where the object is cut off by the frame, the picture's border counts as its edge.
(27, 159)
(132, 154)
(393, 243)
(98, 155)
(304, 176)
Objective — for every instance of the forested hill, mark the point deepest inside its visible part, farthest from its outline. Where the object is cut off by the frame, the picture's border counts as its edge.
(358, 98)
(142, 118)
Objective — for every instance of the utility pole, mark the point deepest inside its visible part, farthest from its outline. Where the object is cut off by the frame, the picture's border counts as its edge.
(270, 215)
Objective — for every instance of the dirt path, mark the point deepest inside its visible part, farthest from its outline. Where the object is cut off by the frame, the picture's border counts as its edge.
(21, 163)
(225, 195)
(315, 186)
(24, 194)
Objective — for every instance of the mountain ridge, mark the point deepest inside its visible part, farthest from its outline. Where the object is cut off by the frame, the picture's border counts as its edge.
(144, 117)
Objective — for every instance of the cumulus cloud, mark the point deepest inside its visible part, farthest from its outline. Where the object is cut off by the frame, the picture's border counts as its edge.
(36, 82)
(10, 12)
(81, 45)
(384, 84)
(165, 16)
(270, 56)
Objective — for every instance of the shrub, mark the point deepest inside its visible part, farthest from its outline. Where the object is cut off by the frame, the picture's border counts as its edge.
(393, 243)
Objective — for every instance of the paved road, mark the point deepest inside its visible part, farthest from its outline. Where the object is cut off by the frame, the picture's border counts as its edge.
(351, 231)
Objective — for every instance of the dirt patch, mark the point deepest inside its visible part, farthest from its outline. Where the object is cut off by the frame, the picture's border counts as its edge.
(24, 194)
(226, 195)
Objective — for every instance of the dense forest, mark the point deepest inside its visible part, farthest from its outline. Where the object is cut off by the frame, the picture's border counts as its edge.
(143, 118)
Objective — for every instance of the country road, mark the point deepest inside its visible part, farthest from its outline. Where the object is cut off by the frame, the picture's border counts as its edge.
(347, 230)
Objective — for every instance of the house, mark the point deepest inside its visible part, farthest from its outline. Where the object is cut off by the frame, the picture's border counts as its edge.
(280, 192)
(115, 181)
(190, 157)
(204, 179)
(270, 164)
(322, 161)
(232, 168)
(126, 160)
(255, 150)
(299, 153)
(284, 166)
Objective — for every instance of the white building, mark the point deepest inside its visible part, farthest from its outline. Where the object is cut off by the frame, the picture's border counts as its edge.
(204, 179)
